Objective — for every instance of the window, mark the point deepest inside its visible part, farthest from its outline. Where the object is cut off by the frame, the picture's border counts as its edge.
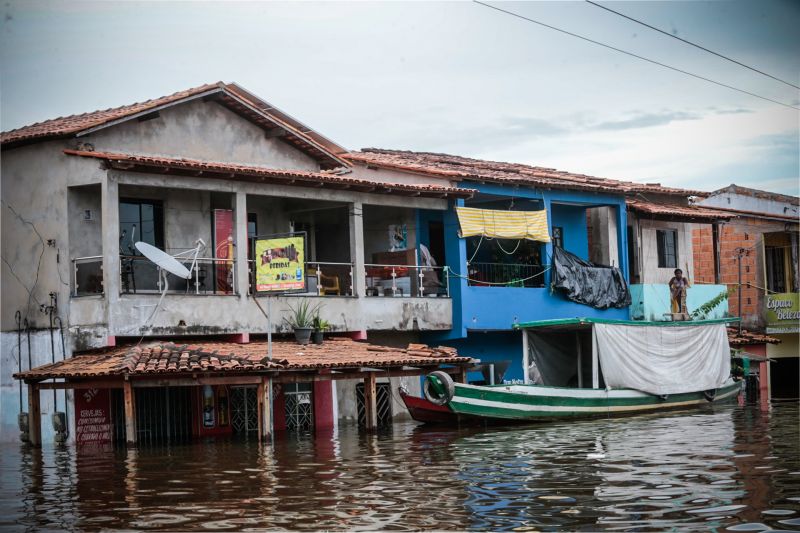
(667, 240)
(558, 236)
(140, 220)
(252, 225)
(776, 268)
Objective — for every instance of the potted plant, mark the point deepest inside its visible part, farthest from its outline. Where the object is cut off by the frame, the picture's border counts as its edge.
(320, 326)
(301, 320)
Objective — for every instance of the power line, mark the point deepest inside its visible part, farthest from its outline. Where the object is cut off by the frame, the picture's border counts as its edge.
(635, 55)
(692, 44)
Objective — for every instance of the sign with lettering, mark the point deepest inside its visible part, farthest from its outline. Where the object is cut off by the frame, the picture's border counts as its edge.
(92, 416)
(280, 263)
(783, 313)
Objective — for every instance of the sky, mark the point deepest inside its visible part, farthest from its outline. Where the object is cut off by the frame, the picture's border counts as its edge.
(450, 77)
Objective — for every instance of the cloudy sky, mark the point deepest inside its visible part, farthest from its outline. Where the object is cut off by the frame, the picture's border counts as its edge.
(454, 77)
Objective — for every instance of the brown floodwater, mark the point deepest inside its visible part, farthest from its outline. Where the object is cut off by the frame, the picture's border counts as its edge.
(726, 468)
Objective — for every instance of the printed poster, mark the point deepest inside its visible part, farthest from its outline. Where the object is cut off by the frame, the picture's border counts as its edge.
(280, 263)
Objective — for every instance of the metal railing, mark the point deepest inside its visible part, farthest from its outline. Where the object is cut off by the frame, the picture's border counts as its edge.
(211, 275)
(324, 278)
(87, 275)
(505, 275)
(406, 280)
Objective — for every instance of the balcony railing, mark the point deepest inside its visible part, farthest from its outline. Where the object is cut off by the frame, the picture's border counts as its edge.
(87, 275)
(505, 275)
(211, 275)
(406, 280)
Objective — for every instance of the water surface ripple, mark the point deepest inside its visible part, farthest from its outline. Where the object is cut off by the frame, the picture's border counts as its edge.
(729, 468)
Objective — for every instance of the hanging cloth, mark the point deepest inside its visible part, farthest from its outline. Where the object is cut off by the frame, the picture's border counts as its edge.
(497, 224)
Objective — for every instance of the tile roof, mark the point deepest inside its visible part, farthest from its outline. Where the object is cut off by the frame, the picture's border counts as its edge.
(749, 337)
(160, 358)
(228, 94)
(670, 211)
(757, 193)
(465, 168)
(212, 169)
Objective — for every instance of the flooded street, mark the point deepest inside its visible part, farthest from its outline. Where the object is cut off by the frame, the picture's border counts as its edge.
(729, 468)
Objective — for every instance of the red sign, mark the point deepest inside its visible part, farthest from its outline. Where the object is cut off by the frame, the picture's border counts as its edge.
(92, 416)
(223, 249)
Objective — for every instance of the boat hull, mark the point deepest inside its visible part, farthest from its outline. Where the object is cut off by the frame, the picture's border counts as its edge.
(536, 402)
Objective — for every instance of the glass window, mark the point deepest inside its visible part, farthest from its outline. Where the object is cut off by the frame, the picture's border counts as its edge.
(667, 241)
(140, 220)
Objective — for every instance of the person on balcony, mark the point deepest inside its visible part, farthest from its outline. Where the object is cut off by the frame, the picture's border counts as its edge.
(677, 290)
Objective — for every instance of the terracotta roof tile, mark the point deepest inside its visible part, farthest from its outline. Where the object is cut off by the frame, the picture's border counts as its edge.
(160, 358)
(749, 337)
(194, 167)
(676, 211)
(465, 168)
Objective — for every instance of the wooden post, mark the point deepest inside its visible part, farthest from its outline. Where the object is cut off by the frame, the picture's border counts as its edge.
(580, 361)
(34, 416)
(370, 402)
(130, 413)
(462, 374)
(263, 409)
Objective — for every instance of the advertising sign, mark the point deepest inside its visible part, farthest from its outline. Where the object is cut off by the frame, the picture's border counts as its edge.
(280, 263)
(92, 416)
(783, 313)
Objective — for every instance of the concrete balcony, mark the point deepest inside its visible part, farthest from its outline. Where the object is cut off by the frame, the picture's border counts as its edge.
(651, 301)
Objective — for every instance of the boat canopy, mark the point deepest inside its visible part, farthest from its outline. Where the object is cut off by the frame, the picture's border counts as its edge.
(654, 357)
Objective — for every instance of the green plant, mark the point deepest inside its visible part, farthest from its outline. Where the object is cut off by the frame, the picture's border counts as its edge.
(321, 325)
(703, 311)
(303, 315)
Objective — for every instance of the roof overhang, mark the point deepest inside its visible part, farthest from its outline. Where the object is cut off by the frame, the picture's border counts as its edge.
(682, 213)
(297, 178)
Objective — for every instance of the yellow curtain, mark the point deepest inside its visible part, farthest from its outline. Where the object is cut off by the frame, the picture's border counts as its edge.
(498, 224)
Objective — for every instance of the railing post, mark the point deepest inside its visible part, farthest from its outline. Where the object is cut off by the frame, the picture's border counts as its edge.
(74, 277)
(394, 282)
(320, 292)
(352, 283)
(446, 271)
(420, 288)
(196, 279)
(233, 276)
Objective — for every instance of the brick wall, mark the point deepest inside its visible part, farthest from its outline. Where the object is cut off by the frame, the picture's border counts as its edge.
(703, 254)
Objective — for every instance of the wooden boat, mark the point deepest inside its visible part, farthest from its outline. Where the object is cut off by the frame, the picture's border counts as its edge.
(423, 410)
(605, 396)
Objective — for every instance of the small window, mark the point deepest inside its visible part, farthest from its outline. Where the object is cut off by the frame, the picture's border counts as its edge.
(776, 269)
(667, 248)
(252, 225)
(558, 236)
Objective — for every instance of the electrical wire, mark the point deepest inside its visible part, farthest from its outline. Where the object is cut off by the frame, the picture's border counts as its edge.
(620, 50)
(692, 44)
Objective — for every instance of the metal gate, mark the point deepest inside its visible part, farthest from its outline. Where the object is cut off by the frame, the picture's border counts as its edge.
(383, 401)
(163, 415)
(244, 410)
(299, 407)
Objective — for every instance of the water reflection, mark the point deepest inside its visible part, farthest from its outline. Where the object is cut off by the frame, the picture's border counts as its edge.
(730, 468)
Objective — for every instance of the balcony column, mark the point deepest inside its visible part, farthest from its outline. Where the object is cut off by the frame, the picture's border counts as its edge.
(111, 264)
(356, 224)
(240, 251)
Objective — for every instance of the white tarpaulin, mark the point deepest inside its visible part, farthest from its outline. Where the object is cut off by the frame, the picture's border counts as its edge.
(663, 359)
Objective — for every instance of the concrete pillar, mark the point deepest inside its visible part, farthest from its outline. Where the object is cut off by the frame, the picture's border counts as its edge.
(111, 265)
(34, 415)
(356, 224)
(130, 413)
(240, 253)
(455, 250)
(370, 401)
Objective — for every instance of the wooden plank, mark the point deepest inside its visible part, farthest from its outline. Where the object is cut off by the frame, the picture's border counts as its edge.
(370, 401)
(34, 416)
(130, 414)
(260, 403)
(193, 382)
(101, 384)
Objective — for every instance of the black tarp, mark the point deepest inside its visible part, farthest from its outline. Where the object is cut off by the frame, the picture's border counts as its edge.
(587, 283)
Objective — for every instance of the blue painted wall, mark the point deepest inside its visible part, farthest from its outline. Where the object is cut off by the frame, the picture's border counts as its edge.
(498, 308)
(490, 347)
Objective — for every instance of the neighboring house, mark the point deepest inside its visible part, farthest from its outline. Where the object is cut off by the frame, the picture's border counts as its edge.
(660, 229)
(214, 163)
(586, 216)
(758, 247)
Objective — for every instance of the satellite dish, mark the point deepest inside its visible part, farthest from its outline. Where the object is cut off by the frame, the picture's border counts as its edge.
(163, 260)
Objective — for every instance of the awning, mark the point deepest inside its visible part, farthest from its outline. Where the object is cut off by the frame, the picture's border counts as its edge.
(498, 224)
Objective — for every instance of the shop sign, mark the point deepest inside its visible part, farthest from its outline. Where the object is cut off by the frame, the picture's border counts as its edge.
(280, 263)
(92, 416)
(783, 313)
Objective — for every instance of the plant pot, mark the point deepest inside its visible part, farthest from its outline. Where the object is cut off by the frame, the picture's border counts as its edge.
(302, 335)
(317, 336)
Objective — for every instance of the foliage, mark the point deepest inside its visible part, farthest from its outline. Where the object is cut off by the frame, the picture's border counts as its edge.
(320, 324)
(701, 312)
(303, 315)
